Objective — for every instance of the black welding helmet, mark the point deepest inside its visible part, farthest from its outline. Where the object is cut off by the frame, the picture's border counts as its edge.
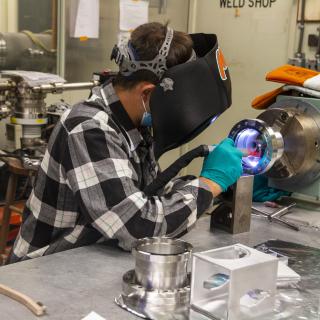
(189, 96)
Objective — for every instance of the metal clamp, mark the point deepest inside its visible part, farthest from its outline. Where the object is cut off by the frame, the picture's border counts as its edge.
(277, 215)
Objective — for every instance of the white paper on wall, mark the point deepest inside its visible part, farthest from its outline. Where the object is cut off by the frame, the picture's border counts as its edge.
(312, 10)
(84, 19)
(133, 13)
(123, 37)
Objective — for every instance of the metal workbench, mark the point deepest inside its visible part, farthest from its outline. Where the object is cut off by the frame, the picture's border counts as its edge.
(73, 283)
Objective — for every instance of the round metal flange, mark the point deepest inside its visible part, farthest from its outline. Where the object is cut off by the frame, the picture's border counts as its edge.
(159, 286)
(262, 143)
(156, 297)
(153, 304)
(161, 263)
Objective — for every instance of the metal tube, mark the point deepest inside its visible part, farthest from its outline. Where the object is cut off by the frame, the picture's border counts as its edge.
(54, 17)
(59, 87)
(283, 211)
(318, 48)
(301, 27)
(161, 263)
(287, 223)
(271, 216)
(79, 85)
(61, 38)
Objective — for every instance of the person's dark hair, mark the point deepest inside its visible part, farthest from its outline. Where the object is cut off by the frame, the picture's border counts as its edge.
(147, 40)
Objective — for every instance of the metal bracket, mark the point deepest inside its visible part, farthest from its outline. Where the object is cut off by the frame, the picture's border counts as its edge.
(234, 215)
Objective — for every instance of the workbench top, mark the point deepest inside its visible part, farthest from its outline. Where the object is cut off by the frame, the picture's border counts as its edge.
(73, 283)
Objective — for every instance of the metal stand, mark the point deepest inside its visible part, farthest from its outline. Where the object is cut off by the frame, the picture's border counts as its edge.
(234, 213)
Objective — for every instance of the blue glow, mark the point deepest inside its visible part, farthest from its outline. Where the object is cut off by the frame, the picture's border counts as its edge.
(254, 143)
(252, 162)
(215, 281)
(214, 119)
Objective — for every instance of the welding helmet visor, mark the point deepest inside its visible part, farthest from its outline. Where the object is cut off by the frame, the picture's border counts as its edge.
(190, 96)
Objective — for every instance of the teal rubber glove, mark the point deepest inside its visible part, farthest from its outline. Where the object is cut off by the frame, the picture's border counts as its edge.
(262, 192)
(223, 165)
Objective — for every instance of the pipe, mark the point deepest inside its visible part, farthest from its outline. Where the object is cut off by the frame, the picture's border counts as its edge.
(54, 18)
(301, 27)
(61, 38)
(59, 87)
(318, 48)
(80, 85)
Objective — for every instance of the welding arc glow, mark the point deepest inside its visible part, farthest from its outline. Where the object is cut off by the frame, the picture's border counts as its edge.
(251, 162)
(254, 143)
(214, 119)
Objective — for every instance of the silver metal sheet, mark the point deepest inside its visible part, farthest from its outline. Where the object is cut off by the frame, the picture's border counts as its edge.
(300, 301)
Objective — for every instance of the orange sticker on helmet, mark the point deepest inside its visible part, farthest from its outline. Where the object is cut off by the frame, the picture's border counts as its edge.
(222, 66)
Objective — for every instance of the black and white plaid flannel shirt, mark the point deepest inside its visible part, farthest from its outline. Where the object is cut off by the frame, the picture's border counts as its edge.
(89, 185)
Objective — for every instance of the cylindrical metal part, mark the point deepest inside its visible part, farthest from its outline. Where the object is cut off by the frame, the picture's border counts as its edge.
(283, 211)
(80, 85)
(263, 144)
(31, 132)
(161, 263)
(55, 88)
(301, 27)
(30, 106)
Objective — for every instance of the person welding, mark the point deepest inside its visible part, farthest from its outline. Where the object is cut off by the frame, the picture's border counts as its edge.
(101, 154)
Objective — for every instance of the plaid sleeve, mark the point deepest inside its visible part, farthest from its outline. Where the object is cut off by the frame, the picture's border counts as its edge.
(105, 184)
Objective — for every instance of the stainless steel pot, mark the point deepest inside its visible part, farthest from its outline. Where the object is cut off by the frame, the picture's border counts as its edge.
(161, 263)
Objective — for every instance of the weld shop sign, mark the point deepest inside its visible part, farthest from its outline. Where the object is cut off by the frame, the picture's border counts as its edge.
(246, 3)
